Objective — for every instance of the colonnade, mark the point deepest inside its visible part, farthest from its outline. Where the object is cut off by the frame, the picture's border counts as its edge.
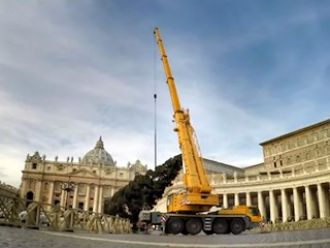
(285, 204)
(88, 197)
(97, 198)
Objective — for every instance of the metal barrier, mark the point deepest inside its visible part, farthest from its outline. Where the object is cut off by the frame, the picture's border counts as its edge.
(15, 211)
(293, 226)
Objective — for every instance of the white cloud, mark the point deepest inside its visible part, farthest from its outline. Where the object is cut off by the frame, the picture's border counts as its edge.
(66, 79)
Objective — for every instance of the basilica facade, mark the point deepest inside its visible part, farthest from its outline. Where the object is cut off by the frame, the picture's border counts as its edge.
(84, 184)
(291, 184)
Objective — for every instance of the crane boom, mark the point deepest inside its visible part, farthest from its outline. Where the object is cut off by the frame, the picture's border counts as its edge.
(195, 176)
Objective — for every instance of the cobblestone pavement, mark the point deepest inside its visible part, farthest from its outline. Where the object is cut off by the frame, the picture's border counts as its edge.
(26, 238)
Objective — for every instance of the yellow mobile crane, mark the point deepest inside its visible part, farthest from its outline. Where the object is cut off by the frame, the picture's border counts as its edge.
(185, 210)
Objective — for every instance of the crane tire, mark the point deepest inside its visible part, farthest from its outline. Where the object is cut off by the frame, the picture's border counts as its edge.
(237, 226)
(194, 226)
(220, 226)
(184, 232)
(175, 225)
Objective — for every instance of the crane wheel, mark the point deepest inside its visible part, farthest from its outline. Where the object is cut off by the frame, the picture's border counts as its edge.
(237, 226)
(175, 225)
(220, 226)
(193, 226)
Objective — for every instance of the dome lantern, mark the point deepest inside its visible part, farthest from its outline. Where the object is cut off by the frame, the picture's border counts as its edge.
(99, 144)
(98, 156)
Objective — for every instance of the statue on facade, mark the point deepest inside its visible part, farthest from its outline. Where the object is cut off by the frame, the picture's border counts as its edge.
(56, 158)
(224, 177)
(235, 176)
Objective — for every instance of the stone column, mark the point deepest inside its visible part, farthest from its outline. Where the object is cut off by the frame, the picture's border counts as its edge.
(236, 199)
(284, 201)
(309, 203)
(75, 197)
(321, 200)
(100, 200)
(248, 199)
(261, 205)
(38, 191)
(297, 204)
(273, 206)
(86, 205)
(51, 193)
(326, 200)
(96, 198)
(225, 200)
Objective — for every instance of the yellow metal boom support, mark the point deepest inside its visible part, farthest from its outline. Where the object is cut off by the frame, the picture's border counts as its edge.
(195, 178)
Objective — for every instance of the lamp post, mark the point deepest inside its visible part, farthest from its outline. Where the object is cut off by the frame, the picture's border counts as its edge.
(67, 187)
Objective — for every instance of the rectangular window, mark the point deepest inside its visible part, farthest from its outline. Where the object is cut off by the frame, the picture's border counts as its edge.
(288, 161)
(34, 166)
(309, 139)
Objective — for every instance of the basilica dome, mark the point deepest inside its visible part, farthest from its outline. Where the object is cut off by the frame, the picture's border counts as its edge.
(98, 156)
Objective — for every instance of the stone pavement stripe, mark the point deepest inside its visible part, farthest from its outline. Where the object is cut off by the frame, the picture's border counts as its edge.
(277, 244)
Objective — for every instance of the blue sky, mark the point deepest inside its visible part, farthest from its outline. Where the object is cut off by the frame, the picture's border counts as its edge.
(71, 71)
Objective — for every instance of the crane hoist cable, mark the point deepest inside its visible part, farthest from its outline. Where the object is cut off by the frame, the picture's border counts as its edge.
(155, 103)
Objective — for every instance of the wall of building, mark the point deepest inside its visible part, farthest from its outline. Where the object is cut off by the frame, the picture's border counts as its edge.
(45, 180)
(302, 147)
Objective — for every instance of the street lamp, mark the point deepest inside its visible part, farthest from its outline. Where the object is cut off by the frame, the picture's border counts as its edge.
(67, 187)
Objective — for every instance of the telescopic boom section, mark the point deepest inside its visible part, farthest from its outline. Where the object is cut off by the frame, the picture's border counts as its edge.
(195, 177)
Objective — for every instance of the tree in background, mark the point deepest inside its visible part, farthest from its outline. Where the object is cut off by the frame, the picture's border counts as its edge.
(143, 191)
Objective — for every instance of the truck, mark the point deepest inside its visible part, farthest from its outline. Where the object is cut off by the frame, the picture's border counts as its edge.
(190, 211)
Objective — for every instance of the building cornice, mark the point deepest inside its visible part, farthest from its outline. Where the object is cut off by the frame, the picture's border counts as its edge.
(295, 132)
